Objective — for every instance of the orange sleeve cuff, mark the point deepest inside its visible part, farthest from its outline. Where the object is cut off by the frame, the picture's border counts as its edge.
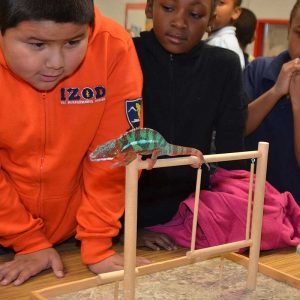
(31, 242)
(95, 250)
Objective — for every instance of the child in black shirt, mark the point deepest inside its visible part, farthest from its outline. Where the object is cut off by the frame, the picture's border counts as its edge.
(190, 89)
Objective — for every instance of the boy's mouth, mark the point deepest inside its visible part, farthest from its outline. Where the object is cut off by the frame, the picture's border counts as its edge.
(176, 38)
(49, 78)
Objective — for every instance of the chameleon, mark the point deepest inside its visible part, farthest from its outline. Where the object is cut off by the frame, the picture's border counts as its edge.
(143, 141)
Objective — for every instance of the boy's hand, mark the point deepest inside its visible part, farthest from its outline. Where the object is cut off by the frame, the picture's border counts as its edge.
(24, 266)
(115, 263)
(282, 84)
(154, 240)
(295, 91)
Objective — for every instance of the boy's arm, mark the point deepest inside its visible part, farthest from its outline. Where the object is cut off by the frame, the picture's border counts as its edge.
(103, 195)
(260, 107)
(295, 100)
(18, 228)
(21, 231)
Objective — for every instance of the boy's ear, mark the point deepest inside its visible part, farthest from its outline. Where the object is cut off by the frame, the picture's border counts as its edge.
(149, 9)
(211, 22)
(236, 13)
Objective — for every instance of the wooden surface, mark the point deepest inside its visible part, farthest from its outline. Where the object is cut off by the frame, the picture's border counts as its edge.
(283, 261)
(74, 270)
(283, 265)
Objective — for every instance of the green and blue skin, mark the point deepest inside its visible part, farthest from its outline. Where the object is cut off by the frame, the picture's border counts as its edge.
(142, 141)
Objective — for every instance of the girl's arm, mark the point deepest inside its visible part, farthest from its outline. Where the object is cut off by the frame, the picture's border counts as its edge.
(261, 106)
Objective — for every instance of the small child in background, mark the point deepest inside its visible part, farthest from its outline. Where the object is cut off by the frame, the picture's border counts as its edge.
(245, 31)
(273, 87)
(222, 32)
(190, 89)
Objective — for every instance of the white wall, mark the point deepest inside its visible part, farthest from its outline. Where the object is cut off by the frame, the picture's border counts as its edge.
(270, 9)
(264, 9)
(113, 8)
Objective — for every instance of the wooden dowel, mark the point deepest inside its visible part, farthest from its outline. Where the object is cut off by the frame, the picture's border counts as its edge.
(130, 233)
(196, 208)
(250, 198)
(109, 277)
(180, 161)
(36, 295)
(216, 250)
(222, 262)
(116, 290)
(257, 215)
(65, 288)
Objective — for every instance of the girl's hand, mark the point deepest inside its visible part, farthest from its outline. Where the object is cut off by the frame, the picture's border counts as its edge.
(155, 240)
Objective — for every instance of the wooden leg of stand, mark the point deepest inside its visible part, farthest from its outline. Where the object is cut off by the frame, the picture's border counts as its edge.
(222, 261)
(250, 199)
(131, 188)
(116, 290)
(257, 214)
(196, 207)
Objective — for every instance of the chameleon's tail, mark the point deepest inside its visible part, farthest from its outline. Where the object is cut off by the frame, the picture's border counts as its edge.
(181, 150)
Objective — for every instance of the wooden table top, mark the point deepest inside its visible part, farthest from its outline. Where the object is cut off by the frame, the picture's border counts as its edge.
(283, 260)
(74, 270)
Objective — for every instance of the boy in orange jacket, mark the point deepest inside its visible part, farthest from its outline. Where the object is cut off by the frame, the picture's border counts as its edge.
(70, 80)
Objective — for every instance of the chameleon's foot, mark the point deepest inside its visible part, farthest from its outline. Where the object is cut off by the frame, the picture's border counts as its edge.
(151, 163)
(199, 163)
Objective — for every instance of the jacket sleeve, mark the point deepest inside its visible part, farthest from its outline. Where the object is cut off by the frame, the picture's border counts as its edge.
(232, 115)
(103, 195)
(18, 228)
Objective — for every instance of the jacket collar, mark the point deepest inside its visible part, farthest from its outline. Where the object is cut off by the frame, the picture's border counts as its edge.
(154, 46)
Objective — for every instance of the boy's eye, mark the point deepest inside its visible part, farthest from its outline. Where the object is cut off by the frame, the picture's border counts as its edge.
(73, 42)
(167, 8)
(195, 15)
(37, 45)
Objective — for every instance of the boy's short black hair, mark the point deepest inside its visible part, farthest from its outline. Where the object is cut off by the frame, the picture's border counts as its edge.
(245, 27)
(13, 12)
(294, 10)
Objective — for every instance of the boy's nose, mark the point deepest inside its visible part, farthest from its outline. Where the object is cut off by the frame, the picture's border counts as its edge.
(55, 59)
(179, 20)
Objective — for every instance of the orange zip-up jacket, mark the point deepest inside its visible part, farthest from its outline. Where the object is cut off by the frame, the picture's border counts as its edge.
(46, 178)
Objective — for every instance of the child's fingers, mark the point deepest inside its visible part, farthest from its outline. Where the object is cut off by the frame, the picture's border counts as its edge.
(140, 261)
(151, 245)
(24, 275)
(57, 266)
(167, 243)
(10, 272)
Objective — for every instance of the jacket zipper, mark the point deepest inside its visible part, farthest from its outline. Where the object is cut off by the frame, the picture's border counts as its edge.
(42, 154)
(172, 99)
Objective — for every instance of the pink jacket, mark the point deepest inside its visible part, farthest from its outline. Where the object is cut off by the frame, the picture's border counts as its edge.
(222, 215)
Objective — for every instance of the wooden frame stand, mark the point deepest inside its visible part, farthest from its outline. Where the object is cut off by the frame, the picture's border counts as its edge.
(252, 238)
